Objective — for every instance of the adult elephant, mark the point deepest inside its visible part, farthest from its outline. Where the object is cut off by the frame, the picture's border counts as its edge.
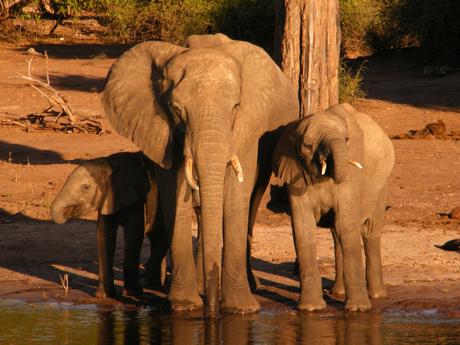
(203, 111)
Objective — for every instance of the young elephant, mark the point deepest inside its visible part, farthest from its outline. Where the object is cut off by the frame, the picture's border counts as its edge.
(122, 188)
(336, 165)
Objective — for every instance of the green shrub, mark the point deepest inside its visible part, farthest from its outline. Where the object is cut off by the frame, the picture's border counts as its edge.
(435, 24)
(166, 20)
(350, 83)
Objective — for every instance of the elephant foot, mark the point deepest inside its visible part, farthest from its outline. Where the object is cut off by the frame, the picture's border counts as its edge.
(181, 301)
(311, 304)
(135, 292)
(103, 293)
(239, 301)
(358, 303)
(378, 292)
(338, 292)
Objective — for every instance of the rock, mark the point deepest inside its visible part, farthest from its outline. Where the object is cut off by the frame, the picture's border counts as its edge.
(455, 214)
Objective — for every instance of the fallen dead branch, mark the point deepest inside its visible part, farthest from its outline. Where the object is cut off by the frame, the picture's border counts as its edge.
(64, 119)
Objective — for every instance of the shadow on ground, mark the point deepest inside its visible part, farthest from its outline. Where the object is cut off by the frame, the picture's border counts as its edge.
(79, 50)
(399, 76)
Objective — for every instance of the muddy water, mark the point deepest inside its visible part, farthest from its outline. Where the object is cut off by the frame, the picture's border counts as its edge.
(23, 323)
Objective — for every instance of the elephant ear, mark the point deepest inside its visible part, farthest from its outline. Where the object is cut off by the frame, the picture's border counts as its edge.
(127, 185)
(268, 98)
(131, 99)
(206, 41)
(285, 162)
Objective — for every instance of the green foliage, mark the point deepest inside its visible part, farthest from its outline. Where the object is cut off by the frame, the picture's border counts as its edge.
(350, 83)
(435, 24)
(247, 20)
(174, 20)
(166, 20)
(374, 25)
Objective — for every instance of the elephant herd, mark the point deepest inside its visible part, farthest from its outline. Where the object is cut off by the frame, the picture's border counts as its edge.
(214, 119)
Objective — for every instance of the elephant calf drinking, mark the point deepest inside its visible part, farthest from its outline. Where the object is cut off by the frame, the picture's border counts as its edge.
(336, 165)
(122, 188)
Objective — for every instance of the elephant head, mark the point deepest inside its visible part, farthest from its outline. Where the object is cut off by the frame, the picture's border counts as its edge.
(107, 185)
(312, 148)
(180, 103)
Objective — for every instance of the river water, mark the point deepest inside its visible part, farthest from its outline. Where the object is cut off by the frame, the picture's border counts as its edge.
(53, 323)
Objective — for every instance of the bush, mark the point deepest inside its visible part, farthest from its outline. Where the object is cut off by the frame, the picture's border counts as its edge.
(166, 20)
(350, 83)
(435, 24)
(174, 20)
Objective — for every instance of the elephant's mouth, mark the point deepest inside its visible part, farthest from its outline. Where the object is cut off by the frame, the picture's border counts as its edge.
(72, 212)
(192, 181)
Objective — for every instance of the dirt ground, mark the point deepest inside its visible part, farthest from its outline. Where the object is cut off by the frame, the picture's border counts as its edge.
(424, 188)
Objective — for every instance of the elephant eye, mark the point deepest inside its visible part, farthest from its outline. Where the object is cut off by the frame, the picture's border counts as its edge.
(307, 146)
(236, 106)
(85, 187)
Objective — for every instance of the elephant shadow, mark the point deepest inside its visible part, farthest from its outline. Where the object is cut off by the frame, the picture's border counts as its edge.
(284, 291)
(45, 250)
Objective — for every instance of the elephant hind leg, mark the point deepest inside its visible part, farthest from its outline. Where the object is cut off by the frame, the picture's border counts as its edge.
(155, 267)
(338, 290)
(106, 236)
(371, 238)
(256, 197)
(133, 228)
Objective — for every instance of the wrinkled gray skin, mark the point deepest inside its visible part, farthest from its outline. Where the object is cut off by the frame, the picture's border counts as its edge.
(349, 200)
(122, 188)
(209, 101)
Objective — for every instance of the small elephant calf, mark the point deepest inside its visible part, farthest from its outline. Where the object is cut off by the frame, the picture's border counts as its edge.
(122, 188)
(336, 165)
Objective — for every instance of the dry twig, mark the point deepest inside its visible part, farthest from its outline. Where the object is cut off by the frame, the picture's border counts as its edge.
(49, 118)
(65, 282)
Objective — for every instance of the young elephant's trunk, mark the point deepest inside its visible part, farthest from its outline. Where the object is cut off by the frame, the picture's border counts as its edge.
(340, 158)
(58, 211)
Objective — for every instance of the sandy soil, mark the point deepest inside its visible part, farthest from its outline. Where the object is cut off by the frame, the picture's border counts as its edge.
(33, 166)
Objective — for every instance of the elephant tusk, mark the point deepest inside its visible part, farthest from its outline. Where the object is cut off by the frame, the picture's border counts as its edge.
(355, 163)
(237, 167)
(323, 166)
(189, 174)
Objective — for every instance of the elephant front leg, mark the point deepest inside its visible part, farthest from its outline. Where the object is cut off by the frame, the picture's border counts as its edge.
(350, 240)
(106, 236)
(304, 228)
(236, 293)
(133, 228)
(176, 202)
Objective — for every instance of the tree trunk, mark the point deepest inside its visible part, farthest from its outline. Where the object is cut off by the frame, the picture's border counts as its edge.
(307, 48)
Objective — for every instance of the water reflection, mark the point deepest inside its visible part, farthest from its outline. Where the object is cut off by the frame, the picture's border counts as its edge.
(23, 323)
(134, 327)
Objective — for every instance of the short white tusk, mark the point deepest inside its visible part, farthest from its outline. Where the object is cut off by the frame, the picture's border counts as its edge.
(323, 166)
(189, 174)
(355, 163)
(237, 167)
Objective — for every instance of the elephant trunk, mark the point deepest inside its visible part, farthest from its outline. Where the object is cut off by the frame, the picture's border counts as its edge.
(59, 211)
(340, 156)
(210, 143)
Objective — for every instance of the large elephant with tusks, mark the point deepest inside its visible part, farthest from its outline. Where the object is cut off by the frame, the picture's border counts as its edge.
(208, 114)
